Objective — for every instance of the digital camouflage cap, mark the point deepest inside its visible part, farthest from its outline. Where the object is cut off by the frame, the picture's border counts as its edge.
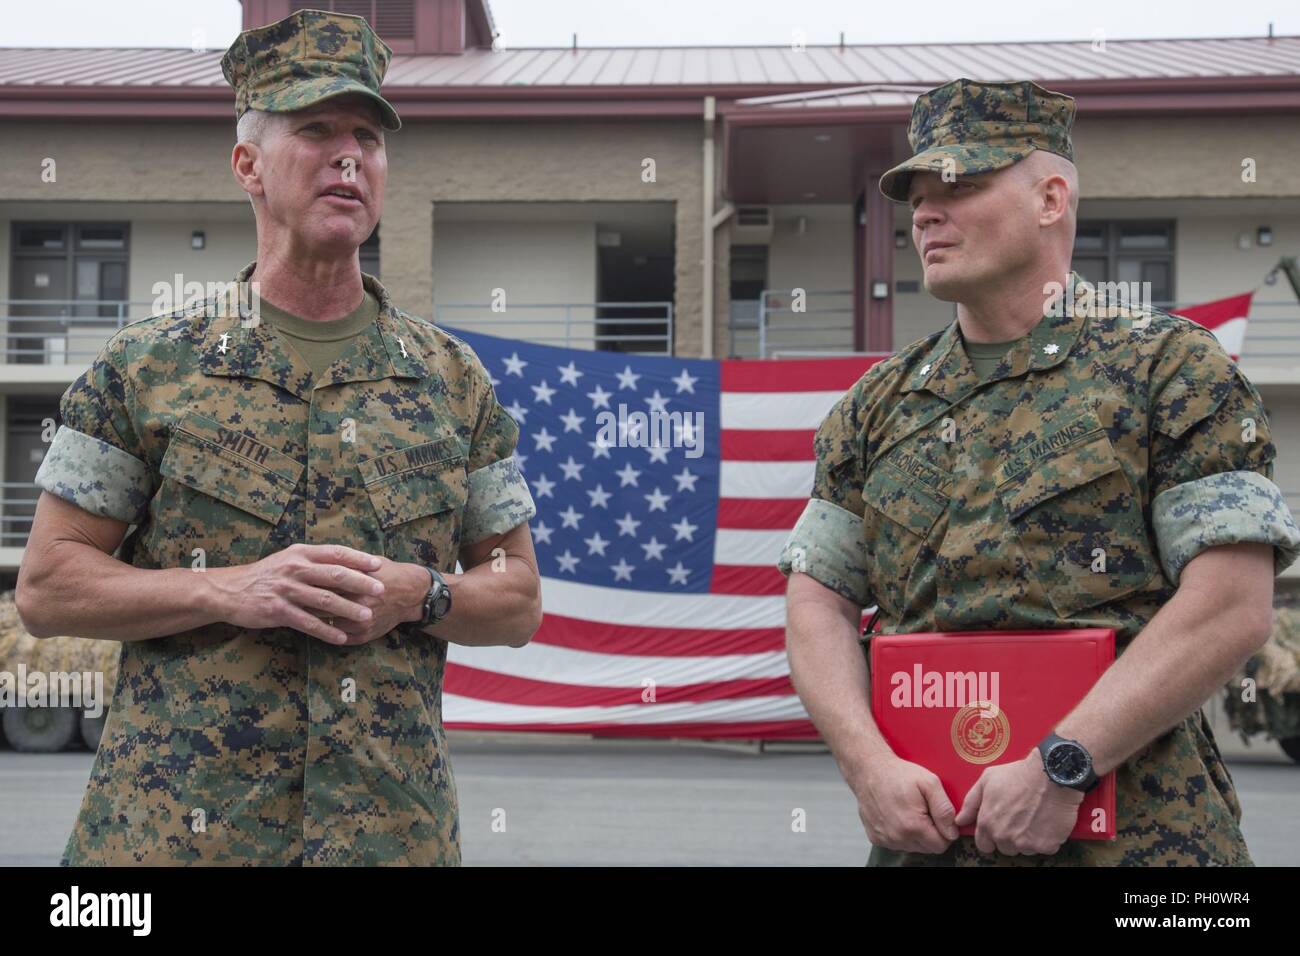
(307, 57)
(966, 127)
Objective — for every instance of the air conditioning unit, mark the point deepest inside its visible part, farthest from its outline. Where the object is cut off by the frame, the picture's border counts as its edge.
(752, 226)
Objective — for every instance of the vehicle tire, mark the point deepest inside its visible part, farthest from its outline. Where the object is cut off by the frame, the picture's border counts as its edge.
(1291, 746)
(40, 729)
(92, 728)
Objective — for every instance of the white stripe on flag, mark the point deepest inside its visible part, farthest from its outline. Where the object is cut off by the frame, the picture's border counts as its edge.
(457, 709)
(623, 606)
(563, 665)
(772, 410)
(1231, 334)
(766, 479)
(755, 548)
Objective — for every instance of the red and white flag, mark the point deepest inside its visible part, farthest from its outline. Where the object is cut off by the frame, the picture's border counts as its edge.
(1226, 318)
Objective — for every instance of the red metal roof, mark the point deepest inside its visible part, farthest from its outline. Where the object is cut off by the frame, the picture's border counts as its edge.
(178, 82)
(924, 64)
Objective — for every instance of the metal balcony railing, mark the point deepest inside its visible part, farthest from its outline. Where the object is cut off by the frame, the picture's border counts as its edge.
(17, 507)
(72, 331)
(820, 322)
(811, 322)
(62, 331)
(644, 327)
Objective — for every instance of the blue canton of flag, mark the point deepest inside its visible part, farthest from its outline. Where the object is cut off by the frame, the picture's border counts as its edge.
(621, 453)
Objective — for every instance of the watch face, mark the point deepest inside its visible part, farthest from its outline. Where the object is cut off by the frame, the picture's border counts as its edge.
(441, 604)
(1068, 763)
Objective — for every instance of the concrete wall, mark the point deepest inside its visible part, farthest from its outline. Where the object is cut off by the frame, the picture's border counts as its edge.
(428, 163)
(1282, 402)
(555, 162)
(160, 249)
(531, 262)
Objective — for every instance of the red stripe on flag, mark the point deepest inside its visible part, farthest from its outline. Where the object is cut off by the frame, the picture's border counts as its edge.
(525, 691)
(795, 375)
(713, 729)
(748, 579)
(740, 444)
(1213, 314)
(599, 637)
(760, 514)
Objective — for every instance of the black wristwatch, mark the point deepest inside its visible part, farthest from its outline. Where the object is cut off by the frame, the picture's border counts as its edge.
(437, 603)
(1068, 763)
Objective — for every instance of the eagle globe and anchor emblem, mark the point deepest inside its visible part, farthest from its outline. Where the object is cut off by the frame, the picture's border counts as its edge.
(980, 732)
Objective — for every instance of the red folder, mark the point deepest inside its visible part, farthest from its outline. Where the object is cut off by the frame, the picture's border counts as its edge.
(959, 702)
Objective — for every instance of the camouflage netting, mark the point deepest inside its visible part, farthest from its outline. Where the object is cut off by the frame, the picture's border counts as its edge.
(52, 653)
(1275, 669)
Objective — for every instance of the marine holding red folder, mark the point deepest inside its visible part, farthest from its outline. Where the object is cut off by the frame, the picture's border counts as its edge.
(1007, 493)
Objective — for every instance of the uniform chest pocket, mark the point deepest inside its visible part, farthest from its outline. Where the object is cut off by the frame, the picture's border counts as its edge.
(1080, 525)
(222, 491)
(419, 495)
(899, 522)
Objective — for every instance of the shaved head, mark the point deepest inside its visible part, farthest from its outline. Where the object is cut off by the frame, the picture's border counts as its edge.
(1039, 165)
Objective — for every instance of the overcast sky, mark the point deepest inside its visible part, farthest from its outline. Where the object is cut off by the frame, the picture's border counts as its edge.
(214, 23)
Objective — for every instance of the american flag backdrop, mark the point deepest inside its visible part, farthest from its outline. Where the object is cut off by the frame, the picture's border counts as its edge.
(664, 610)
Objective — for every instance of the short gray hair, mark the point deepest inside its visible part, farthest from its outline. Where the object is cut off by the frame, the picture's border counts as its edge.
(252, 127)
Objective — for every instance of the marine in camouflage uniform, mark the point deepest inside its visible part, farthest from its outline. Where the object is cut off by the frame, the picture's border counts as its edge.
(211, 435)
(1106, 427)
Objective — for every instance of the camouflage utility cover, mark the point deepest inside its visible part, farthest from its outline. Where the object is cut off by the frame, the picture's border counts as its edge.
(305, 58)
(965, 127)
(230, 745)
(959, 504)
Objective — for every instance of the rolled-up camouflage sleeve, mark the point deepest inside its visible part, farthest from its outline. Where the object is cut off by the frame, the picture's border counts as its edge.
(827, 542)
(499, 498)
(1212, 458)
(96, 461)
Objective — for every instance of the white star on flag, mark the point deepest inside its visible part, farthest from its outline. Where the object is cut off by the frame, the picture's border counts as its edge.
(572, 470)
(658, 500)
(572, 421)
(627, 378)
(543, 437)
(515, 365)
(685, 530)
(654, 551)
(685, 480)
(569, 374)
(686, 382)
